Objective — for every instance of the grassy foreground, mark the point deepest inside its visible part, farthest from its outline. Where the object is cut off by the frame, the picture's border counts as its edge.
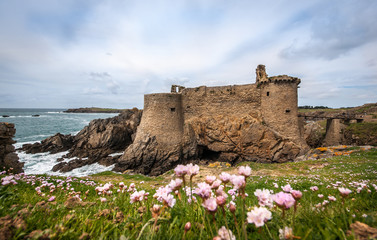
(45, 207)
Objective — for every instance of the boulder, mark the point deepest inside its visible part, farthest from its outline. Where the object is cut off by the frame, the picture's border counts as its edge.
(53, 144)
(314, 134)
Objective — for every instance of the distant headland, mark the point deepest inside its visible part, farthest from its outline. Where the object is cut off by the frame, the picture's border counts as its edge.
(94, 110)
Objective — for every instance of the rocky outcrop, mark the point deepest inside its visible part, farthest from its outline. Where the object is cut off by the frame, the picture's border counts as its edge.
(94, 143)
(220, 138)
(53, 144)
(8, 157)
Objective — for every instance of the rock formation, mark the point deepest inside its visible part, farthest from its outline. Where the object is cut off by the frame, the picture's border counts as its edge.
(8, 157)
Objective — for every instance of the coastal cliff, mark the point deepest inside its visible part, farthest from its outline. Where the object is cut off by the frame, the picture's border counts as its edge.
(8, 157)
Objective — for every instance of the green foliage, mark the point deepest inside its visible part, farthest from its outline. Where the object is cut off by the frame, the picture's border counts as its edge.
(101, 220)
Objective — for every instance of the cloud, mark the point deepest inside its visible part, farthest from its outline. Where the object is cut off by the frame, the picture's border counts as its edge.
(337, 28)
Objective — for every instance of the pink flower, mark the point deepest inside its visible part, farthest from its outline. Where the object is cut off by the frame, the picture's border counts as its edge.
(103, 199)
(296, 194)
(137, 196)
(331, 198)
(51, 199)
(192, 170)
(286, 233)
(216, 184)
(226, 234)
(225, 177)
(180, 170)
(258, 216)
(264, 197)
(210, 179)
(287, 188)
(163, 195)
(203, 190)
(314, 188)
(187, 226)
(238, 181)
(220, 200)
(344, 191)
(210, 204)
(284, 200)
(320, 195)
(244, 170)
(176, 184)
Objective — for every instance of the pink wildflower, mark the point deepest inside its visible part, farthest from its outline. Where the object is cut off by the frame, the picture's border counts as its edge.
(296, 194)
(244, 171)
(344, 191)
(225, 177)
(238, 181)
(216, 184)
(332, 198)
(137, 196)
(287, 188)
(284, 200)
(314, 188)
(226, 234)
(210, 204)
(180, 170)
(103, 199)
(51, 199)
(285, 233)
(258, 216)
(264, 197)
(210, 179)
(175, 184)
(192, 170)
(203, 190)
(220, 200)
(320, 195)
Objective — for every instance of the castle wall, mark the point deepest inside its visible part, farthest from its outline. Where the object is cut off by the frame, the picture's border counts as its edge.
(226, 100)
(162, 118)
(279, 107)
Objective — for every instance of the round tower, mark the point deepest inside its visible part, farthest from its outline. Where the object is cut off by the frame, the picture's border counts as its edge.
(162, 118)
(279, 103)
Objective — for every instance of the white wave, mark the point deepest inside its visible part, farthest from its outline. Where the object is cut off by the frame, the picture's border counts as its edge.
(53, 112)
(42, 163)
(39, 163)
(84, 171)
(19, 144)
(116, 154)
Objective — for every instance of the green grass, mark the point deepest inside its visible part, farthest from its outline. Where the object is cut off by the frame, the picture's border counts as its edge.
(99, 219)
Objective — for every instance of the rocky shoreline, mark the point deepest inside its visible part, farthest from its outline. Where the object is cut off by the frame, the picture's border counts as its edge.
(113, 141)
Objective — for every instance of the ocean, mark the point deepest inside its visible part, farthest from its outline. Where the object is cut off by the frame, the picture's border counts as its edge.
(48, 122)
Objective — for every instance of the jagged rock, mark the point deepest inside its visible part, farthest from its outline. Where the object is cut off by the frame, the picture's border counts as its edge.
(8, 157)
(105, 136)
(53, 144)
(146, 156)
(313, 134)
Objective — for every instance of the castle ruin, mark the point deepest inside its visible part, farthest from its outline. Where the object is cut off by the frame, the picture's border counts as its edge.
(252, 122)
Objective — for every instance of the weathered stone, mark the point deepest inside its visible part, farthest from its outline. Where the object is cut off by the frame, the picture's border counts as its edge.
(313, 134)
(53, 144)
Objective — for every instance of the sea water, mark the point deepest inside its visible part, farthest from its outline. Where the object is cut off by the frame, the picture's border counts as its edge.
(34, 125)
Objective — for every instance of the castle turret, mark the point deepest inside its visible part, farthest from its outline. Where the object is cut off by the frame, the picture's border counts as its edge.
(163, 117)
(279, 102)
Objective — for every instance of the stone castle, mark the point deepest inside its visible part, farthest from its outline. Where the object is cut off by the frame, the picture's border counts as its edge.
(253, 122)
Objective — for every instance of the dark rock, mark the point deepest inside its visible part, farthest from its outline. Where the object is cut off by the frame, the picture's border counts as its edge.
(35, 115)
(54, 144)
(8, 157)
(5, 116)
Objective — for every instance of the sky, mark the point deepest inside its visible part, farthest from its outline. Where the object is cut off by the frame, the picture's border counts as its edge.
(84, 53)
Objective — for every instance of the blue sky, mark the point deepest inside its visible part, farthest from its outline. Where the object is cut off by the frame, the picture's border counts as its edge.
(72, 53)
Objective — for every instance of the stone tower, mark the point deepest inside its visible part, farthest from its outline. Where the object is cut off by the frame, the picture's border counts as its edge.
(279, 102)
(163, 118)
